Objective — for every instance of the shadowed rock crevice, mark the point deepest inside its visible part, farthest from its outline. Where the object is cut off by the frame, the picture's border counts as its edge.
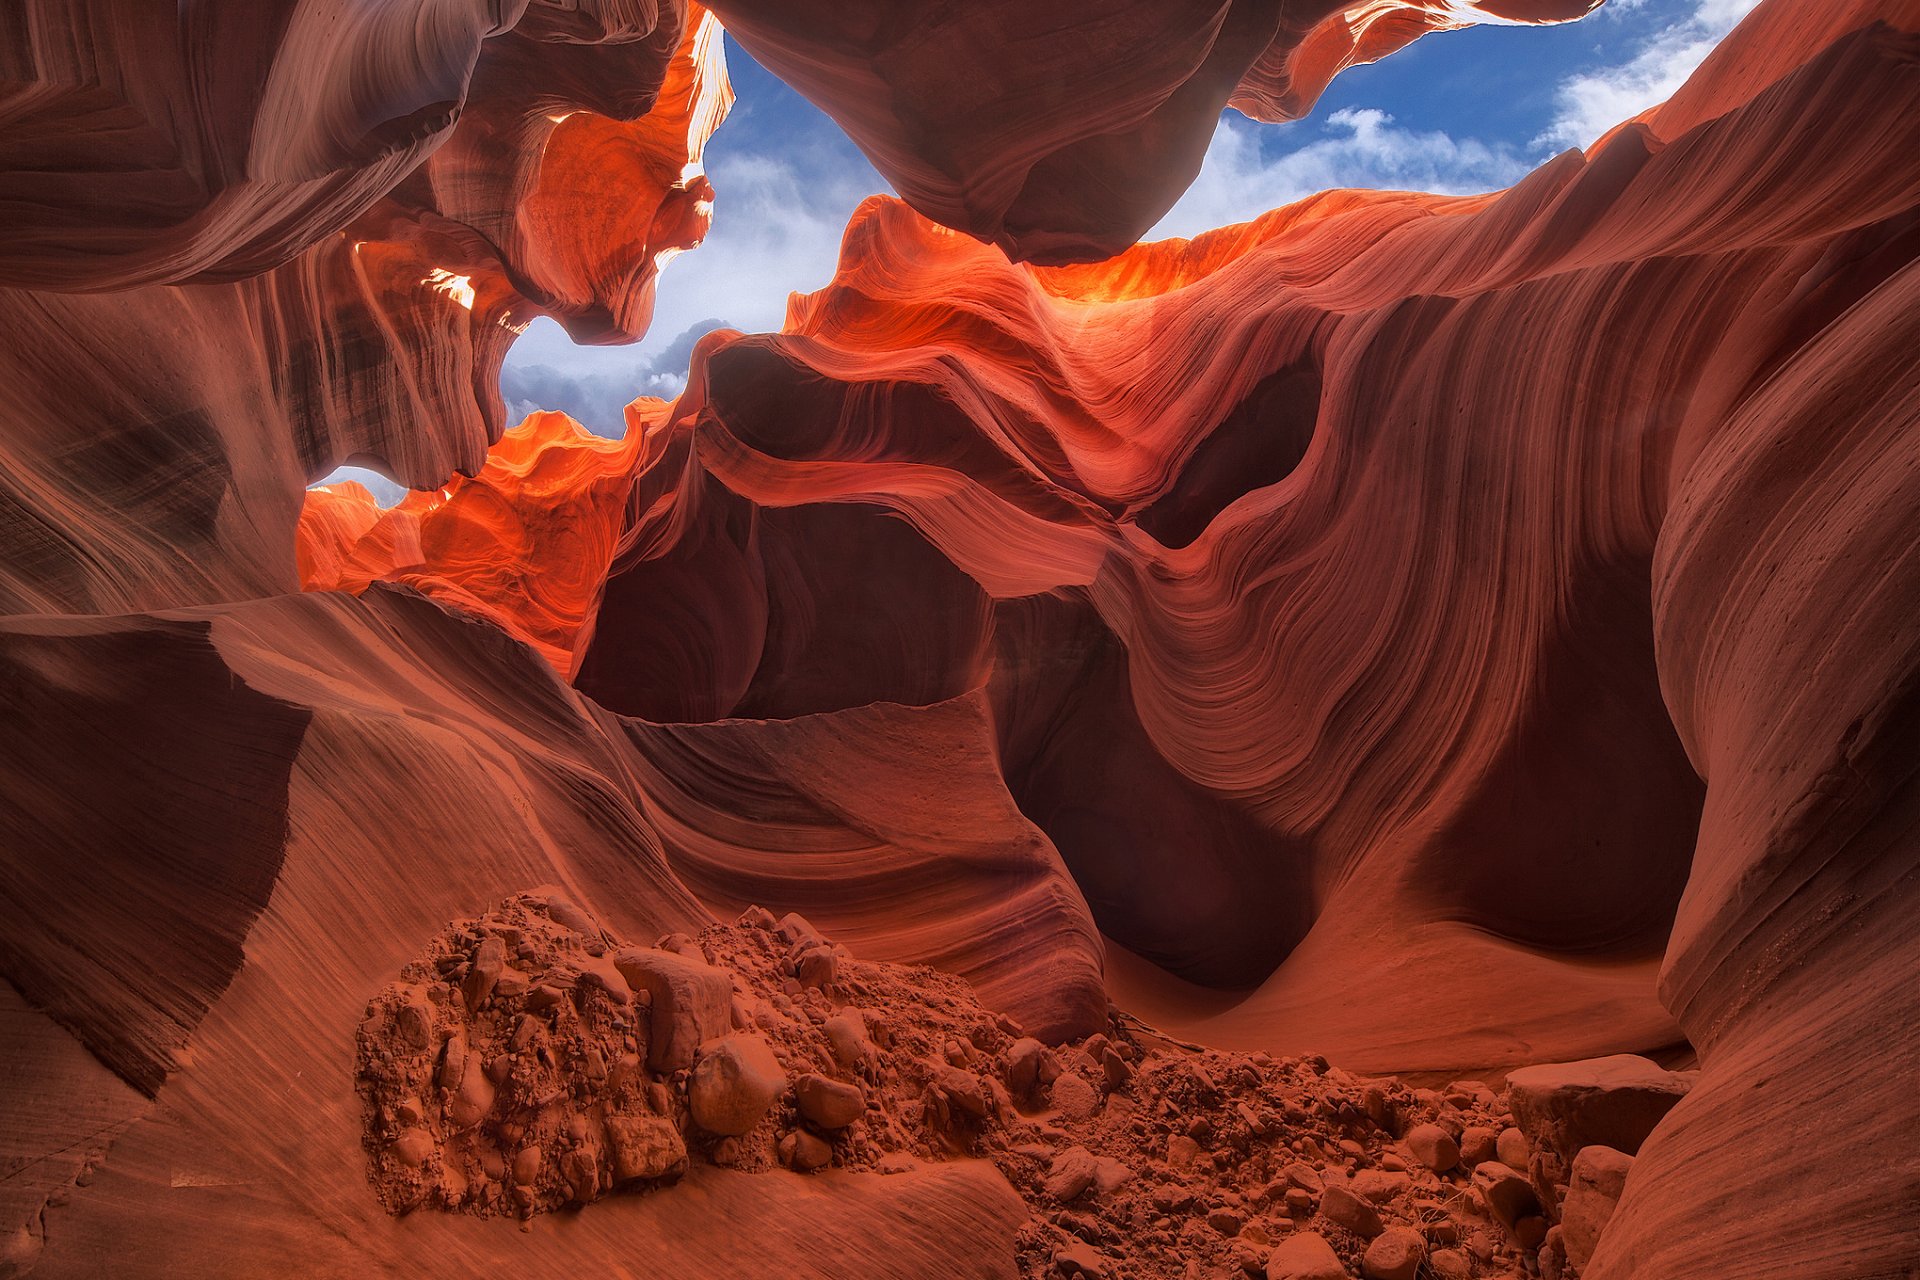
(128, 897)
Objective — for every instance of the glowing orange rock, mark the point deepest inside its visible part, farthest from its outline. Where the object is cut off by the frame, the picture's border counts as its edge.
(525, 541)
(173, 473)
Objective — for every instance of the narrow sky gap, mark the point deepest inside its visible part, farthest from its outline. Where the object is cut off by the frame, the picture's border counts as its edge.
(1456, 112)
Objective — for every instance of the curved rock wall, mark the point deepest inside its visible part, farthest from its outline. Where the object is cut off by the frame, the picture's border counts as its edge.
(1442, 633)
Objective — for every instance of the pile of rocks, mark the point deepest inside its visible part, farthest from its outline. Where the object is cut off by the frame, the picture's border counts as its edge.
(531, 1061)
(506, 1071)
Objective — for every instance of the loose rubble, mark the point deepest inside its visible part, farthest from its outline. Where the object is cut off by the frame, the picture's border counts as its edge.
(532, 1062)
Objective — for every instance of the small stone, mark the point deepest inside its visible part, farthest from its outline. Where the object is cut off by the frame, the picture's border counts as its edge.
(413, 1147)
(473, 1102)
(489, 958)
(1306, 1177)
(1029, 1065)
(1512, 1149)
(1074, 1098)
(1182, 1151)
(1396, 1254)
(847, 1035)
(1070, 1174)
(1109, 1175)
(1380, 1185)
(1449, 1264)
(793, 928)
(829, 1104)
(603, 975)
(1381, 1109)
(523, 1032)
(1299, 1200)
(1226, 1222)
(817, 966)
(1433, 1147)
(581, 1172)
(1552, 1258)
(1479, 1144)
(413, 1026)
(564, 911)
(645, 1147)
(453, 1061)
(1080, 1259)
(1593, 1192)
(1306, 1256)
(964, 1093)
(736, 1079)
(1509, 1197)
(1344, 1209)
(526, 1166)
(809, 1152)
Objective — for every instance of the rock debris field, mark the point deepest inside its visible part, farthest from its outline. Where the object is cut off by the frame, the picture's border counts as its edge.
(531, 1063)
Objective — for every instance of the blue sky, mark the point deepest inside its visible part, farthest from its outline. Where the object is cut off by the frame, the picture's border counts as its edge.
(1460, 111)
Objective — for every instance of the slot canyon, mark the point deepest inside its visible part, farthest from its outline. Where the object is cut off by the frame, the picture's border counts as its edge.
(1364, 742)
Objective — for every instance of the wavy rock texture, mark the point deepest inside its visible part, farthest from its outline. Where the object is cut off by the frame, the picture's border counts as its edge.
(1437, 632)
(1065, 142)
(172, 473)
(525, 541)
(207, 142)
(384, 734)
(1477, 826)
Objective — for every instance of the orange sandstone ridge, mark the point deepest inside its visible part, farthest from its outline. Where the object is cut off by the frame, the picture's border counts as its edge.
(1242, 716)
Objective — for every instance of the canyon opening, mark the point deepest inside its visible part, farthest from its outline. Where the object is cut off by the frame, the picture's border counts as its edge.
(1169, 641)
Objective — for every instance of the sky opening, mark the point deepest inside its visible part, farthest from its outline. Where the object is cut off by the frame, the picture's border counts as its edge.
(1456, 112)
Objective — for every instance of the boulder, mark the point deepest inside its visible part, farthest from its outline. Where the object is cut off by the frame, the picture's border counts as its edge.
(736, 1079)
(692, 1003)
(1599, 1177)
(1610, 1102)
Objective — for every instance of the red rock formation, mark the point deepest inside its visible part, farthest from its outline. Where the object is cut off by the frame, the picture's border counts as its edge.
(1068, 142)
(525, 541)
(381, 342)
(1402, 626)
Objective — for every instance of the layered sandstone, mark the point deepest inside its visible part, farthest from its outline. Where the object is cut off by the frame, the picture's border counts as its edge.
(1439, 634)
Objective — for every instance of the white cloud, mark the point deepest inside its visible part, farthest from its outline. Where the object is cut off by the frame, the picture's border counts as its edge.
(1359, 148)
(385, 492)
(777, 223)
(596, 395)
(1592, 102)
